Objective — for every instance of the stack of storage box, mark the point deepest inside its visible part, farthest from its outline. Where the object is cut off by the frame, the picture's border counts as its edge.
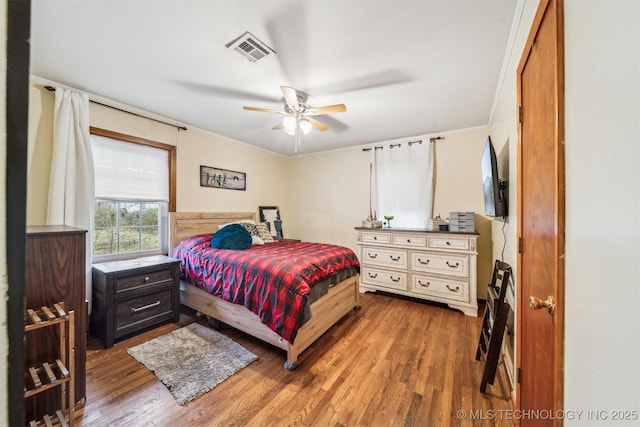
(462, 221)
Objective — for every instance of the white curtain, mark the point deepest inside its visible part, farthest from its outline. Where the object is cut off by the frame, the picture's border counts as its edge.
(403, 183)
(71, 187)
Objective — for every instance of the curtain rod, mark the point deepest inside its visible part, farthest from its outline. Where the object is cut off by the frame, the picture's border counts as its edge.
(53, 89)
(410, 143)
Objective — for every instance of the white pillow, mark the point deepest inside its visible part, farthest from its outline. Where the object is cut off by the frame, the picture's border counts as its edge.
(256, 240)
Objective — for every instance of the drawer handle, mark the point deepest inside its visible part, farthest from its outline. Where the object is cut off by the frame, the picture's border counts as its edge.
(394, 259)
(448, 243)
(370, 255)
(146, 279)
(372, 276)
(423, 262)
(375, 237)
(394, 280)
(456, 265)
(454, 290)
(422, 284)
(145, 307)
(408, 240)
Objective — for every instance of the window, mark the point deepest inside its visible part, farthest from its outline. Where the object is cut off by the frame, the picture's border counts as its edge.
(403, 184)
(134, 190)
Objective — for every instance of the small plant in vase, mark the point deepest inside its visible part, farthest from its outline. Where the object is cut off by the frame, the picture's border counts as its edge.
(388, 218)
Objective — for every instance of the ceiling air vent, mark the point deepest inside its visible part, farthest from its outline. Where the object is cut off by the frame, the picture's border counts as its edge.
(250, 47)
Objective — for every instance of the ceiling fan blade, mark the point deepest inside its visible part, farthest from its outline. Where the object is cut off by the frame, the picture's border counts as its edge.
(291, 97)
(278, 126)
(316, 124)
(264, 110)
(329, 109)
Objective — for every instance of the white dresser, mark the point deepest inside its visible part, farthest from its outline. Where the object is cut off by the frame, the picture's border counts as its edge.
(436, 266)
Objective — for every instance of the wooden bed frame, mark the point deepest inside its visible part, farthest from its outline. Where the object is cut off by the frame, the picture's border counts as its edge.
(327, 310)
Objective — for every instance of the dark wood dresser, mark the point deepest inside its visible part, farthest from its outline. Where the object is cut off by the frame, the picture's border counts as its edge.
(55, 271)
(132, 295)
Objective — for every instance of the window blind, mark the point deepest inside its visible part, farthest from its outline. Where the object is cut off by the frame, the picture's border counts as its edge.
(129, 171)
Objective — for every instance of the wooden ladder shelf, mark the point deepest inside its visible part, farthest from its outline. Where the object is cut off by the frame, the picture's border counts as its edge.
(496, 311)
(50, 374)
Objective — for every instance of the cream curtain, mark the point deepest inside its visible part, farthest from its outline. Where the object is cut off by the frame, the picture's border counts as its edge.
(403, 183)
(71, 186)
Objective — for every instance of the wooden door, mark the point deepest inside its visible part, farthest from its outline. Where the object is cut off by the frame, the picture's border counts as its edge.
(541, 218)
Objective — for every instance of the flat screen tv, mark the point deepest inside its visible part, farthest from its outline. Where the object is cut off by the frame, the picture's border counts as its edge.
(495, 202)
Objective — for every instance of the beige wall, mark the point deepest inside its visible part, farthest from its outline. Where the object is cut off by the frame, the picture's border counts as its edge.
(267, 173)
(321, 197)
(602, 256)
(504, 136)
(602, 179)
(330, 193)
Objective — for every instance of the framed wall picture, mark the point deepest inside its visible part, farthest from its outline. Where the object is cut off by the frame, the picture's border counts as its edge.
(222, 178)
(271, 216)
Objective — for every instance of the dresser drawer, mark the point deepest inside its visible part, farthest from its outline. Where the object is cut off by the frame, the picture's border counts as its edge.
(441, 288)
(419, 241)
(373, 237)
(138, 313)
(447, 264)
(383, 278)
(387, 257)
(144, 279)
(449, 242)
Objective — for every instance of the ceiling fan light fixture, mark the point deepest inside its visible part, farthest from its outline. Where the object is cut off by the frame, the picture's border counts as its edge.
(289, 124)
(305, 126)
(290, 131)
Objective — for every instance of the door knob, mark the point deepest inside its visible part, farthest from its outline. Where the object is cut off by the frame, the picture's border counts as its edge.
(537, 304)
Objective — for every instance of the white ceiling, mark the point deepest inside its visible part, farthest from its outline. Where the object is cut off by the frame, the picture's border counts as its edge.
(403, 67)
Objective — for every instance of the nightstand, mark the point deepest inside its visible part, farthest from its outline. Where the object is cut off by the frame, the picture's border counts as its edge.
(132, 295)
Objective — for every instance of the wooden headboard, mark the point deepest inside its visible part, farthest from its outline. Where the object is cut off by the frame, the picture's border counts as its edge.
(185, 224)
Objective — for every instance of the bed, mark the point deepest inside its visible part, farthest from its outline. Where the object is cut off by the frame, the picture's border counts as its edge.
(326, 310)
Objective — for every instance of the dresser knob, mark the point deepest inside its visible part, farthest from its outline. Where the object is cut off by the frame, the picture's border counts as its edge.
(146, 279)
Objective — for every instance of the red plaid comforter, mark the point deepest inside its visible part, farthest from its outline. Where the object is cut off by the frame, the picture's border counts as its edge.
(271, 280)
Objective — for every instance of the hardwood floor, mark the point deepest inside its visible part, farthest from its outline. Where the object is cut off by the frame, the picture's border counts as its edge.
(394, 362)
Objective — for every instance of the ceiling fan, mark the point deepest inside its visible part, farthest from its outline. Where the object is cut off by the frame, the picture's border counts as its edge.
(299, 114)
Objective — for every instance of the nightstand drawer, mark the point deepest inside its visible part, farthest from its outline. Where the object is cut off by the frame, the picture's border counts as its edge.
(145, 279)
(137, 313)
